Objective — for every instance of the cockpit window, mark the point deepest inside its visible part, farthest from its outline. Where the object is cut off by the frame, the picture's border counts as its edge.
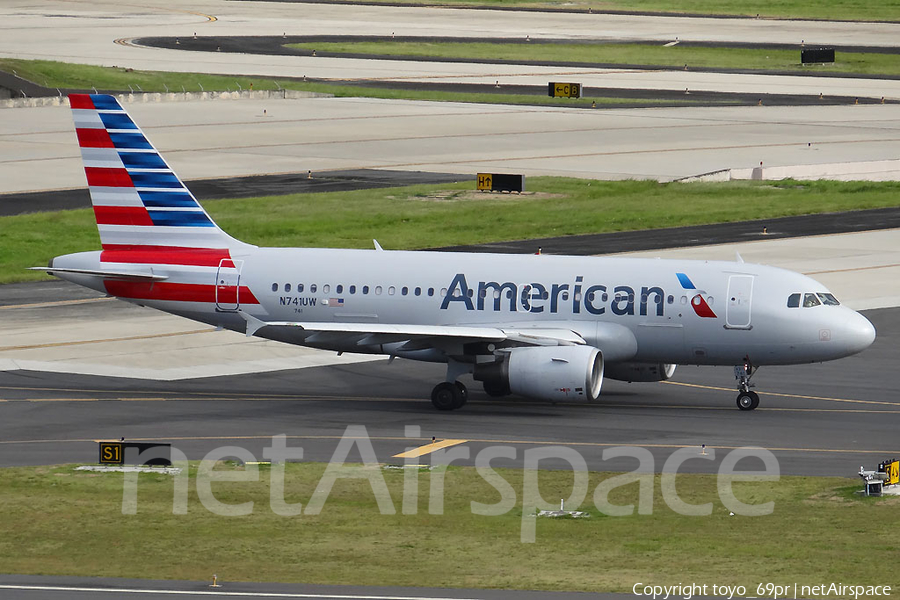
(828, 299)
(794, 301)
(810, 300)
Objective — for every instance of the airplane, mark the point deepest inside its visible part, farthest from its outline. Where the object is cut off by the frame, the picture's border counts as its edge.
(539, 326)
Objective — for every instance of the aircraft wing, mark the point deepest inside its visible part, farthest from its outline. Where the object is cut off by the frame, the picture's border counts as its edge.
(422, 336)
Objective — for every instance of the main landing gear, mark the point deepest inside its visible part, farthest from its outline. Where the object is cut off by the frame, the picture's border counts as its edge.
(449, 395)
(747, 399)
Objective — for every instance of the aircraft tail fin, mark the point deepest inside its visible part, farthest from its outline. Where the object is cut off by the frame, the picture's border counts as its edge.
(139, 202)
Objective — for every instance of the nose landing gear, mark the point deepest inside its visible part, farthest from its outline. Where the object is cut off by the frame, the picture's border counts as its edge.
(747, 399)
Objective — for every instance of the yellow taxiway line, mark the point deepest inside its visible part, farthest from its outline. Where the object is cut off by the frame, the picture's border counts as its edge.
(429, 448)
(781, 395)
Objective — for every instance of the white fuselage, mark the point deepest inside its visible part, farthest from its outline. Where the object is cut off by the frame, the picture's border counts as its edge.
(744, 310)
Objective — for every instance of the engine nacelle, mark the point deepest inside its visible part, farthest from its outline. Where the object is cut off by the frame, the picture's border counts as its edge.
(634, 371)
(547, 372)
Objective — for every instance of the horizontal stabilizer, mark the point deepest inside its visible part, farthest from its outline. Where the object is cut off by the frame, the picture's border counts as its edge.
(118, 275)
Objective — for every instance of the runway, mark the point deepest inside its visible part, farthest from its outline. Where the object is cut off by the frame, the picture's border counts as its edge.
(818, 419)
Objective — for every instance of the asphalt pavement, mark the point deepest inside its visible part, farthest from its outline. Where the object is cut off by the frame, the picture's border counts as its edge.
(823, 419)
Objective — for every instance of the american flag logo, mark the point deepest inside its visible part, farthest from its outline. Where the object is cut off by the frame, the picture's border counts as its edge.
(336, 302)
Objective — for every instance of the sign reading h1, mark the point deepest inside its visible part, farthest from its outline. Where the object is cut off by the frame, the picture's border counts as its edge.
(498, 182)
(564, 90)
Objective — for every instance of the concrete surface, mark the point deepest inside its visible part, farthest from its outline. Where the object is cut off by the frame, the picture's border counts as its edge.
(101, 336)
(875, 170)
(39, 151)
(99, 33)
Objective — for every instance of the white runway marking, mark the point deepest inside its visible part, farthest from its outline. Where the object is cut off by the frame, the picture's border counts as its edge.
(213, 593)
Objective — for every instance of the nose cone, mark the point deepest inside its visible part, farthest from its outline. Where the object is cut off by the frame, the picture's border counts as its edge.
(858, 334)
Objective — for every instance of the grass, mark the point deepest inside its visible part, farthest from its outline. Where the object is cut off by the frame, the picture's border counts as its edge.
(631, 54)
(59, 522)
(453, 214)
(848, 10)
(53, 74)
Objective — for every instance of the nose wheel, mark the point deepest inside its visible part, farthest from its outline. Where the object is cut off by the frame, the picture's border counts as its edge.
(747, 399)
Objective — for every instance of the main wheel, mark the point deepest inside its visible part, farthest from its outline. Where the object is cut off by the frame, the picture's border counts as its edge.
(495, 390)
(446, 396)
(747, 400)
(464, 395)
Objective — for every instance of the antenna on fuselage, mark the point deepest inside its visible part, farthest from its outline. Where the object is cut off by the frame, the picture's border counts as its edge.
(738, 257)
(378, 246)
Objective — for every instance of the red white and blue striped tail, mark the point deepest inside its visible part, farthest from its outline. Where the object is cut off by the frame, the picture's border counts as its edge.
(140, 204)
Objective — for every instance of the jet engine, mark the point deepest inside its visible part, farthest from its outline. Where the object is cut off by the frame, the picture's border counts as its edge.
(635, 371)
(545, 372)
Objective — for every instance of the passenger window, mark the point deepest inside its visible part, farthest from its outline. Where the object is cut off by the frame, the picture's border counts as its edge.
(352, 289)
(339, 289)
(391, 290)
(794, 301)
(365, 290)
(299, 288)
(312, 288)
(404, 290)
(828, 299)
(326, 288)
(443, 292)
(418, 291)
(431, 291)
(274, 287)
(377, 290)
(810, 300)
(287, 288)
